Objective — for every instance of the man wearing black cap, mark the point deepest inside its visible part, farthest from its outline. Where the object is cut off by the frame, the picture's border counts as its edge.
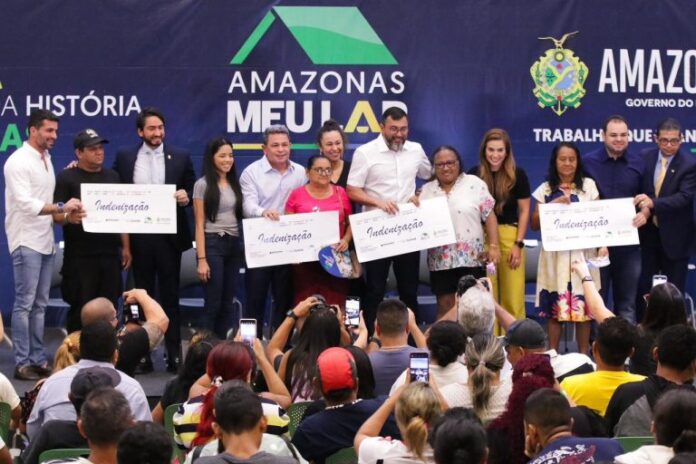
(527, 336)
(92, 263)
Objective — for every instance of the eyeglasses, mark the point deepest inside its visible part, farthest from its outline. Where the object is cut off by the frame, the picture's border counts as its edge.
(397, 130)
(663, 141)
(446, 164)
(323, 171)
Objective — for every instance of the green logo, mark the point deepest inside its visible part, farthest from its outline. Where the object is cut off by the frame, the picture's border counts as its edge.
(559, 77)
(329, 35)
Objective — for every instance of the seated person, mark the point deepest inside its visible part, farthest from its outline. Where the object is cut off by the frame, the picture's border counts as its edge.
(393, 325)
(240, 425)
(474, 307)
(630, 410)
(137, 337)
(64, 433)
(319, 326)
(674, 428)
(176, 390)
(484, 390)
(459, 440)
(97, 348)
(616, 339)
(446, 341)
(229, 360)
(322, 434)
(415, 406)
(9, 395)
(548, 433)
(146, 443)
(665, 307)
(104, 417)
(527, 336)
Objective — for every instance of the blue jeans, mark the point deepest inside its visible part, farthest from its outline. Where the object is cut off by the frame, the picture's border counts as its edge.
(223, 255)
(32, 276)
(623, 276)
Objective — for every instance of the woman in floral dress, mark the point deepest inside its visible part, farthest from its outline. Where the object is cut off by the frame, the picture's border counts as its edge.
(470, 206)
(559, 291)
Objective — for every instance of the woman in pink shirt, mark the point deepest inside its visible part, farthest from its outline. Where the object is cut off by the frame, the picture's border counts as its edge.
(319, 194)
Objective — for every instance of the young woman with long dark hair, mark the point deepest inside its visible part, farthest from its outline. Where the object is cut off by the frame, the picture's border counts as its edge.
(217, 206)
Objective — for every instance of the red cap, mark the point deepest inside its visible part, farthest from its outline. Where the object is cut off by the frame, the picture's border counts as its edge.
(336, 369)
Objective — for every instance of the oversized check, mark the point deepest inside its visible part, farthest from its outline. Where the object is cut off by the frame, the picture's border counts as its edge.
(379, 235)
(295, 238)
(588, 224)
(129, 208)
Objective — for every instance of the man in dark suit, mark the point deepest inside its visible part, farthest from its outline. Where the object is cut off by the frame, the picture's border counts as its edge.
(157, 257)
(669, 183)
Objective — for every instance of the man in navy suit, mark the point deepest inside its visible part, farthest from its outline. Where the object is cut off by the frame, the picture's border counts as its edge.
(669, 183)
(157, 257)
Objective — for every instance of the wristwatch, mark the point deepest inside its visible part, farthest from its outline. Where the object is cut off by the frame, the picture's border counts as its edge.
(587, 279)
(291, 314)
(520, 243)
(60, 205)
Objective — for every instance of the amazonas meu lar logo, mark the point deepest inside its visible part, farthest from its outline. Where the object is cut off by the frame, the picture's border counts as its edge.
(349, 74)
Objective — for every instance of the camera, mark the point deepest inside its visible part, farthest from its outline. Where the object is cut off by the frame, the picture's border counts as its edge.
(132, 313)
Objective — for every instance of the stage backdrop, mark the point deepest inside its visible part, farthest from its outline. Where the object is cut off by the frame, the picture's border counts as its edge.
(544, 70)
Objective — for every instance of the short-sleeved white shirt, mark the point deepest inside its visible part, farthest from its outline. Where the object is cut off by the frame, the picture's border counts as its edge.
(7, 393)
(378, 449)
(387, 174)
(29, 185)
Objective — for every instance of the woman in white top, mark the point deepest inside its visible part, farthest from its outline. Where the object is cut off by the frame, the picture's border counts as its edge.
(470, 206)
(484, 391)
(446, 342)
(416, 406)
(217, 207)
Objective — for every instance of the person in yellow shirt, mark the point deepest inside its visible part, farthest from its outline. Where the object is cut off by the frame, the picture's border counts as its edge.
(616, 339)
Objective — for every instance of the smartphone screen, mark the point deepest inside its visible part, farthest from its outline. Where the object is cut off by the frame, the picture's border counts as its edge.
(353, 311)
(134, 312)
(659, 279)
(247, 329)
(419, 366)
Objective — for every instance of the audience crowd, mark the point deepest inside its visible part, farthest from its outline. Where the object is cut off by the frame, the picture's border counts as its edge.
(483, 383)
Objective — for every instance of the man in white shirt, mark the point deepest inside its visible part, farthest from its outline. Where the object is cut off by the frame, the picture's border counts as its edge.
(29, 184)
(382, 175)
(266, 185)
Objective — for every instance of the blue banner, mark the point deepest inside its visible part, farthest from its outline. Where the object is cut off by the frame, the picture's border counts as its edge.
(544, 70)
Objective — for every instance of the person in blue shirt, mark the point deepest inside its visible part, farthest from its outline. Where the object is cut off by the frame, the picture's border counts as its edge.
(618, 173)
(548, 433)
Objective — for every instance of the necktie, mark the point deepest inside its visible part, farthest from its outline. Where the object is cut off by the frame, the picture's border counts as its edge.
(661, 176)
(659, 181)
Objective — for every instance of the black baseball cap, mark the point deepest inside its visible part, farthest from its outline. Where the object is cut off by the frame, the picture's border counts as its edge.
(89, 378)
(87, 138)
(526, 333)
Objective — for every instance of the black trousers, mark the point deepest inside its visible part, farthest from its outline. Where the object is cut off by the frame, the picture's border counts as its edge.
(156, 267)
(257, 281)
(86, 278)
(406, 269)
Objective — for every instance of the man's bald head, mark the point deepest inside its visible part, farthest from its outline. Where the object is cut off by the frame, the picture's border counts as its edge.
(98, 309)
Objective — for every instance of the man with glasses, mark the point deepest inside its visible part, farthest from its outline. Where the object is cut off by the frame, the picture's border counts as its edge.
(266, 185)
(669, 183)
(382, 175)
(618, 173)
